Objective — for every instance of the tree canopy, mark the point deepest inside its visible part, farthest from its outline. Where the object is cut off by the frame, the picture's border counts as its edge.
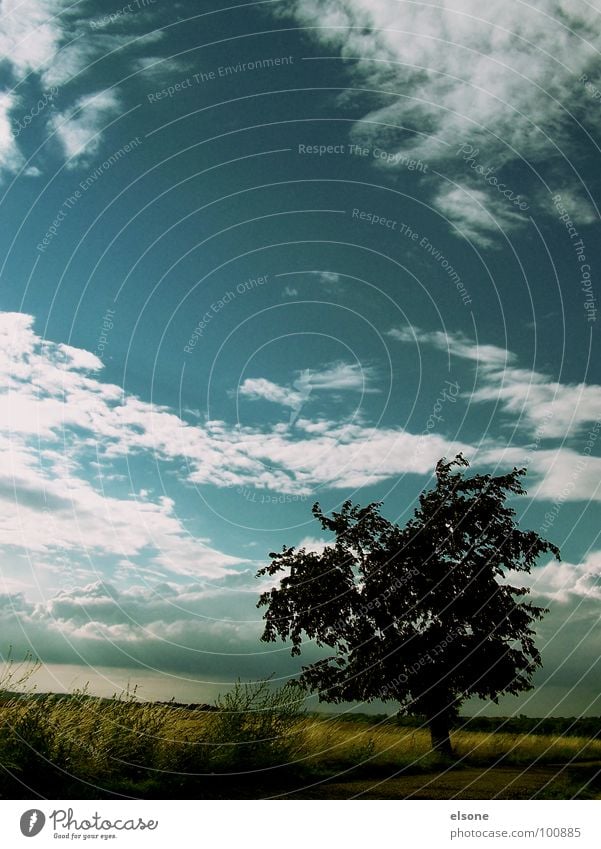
(423, 615)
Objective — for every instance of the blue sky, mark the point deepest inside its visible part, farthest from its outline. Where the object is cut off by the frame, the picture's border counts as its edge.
(275, 253)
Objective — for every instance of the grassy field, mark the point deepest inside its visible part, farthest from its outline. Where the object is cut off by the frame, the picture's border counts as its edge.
(259, 743)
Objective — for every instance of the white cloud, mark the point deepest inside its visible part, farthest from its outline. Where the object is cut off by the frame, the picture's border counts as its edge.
(159, 68)
(52, 38)
(330, 277)
(565, 581)
(352, 377)
(317, 546)
(341, 377)
(49, 42)
(476, 215)
(30, 33)
(11, 159)
(49, 395)
(467, 68)
(48, 506)
(49, 509)
(83, 48)
(574, 200)
(532, 398)
(79, 129)
(56, 415)
(455, 344)
(501, 76)
(70, 62)
(259, 388)
(168, 626)
(561, 473)
(535, 400)
(345, 456)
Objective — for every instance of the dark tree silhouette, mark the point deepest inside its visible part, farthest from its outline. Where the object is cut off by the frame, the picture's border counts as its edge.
(423, 615)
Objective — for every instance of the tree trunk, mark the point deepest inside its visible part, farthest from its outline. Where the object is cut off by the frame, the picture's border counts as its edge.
(441, 741)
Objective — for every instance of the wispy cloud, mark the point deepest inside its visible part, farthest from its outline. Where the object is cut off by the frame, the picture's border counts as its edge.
(164, 627)
(30, 33)
(328, 277)
(261, 389)
(337, 377)
(500, 77)
(80, 128)
(341, 377)
(557, 474)
(49, 504)
(455, 344)
(317, 546)
(536, 399)
(477, 216)
(57, 416)
(349, 377)
(48, 43)
(11, 159)
(532, 398)
(565, 581)
(159, 68)
(52, 394)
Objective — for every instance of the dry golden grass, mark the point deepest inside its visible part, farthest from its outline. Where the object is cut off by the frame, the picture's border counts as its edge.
(255, 729)
(105, 740)
(345, 744)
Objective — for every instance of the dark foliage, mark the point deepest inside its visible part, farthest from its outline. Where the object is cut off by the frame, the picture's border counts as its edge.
(422, 615)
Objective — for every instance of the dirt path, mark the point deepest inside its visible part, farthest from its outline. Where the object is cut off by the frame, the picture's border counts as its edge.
(549, 781)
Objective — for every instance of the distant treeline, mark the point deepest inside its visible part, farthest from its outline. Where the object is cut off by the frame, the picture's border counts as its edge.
(567, 726)
(6, 695)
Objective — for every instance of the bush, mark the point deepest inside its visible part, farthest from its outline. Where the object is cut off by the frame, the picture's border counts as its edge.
(256, 727)
(113, 742)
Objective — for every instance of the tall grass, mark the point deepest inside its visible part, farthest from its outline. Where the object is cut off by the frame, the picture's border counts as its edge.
(339, 745)
(99, 741)
(254, 729)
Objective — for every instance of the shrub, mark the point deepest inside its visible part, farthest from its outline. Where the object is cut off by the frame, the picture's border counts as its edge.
(256, 727)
